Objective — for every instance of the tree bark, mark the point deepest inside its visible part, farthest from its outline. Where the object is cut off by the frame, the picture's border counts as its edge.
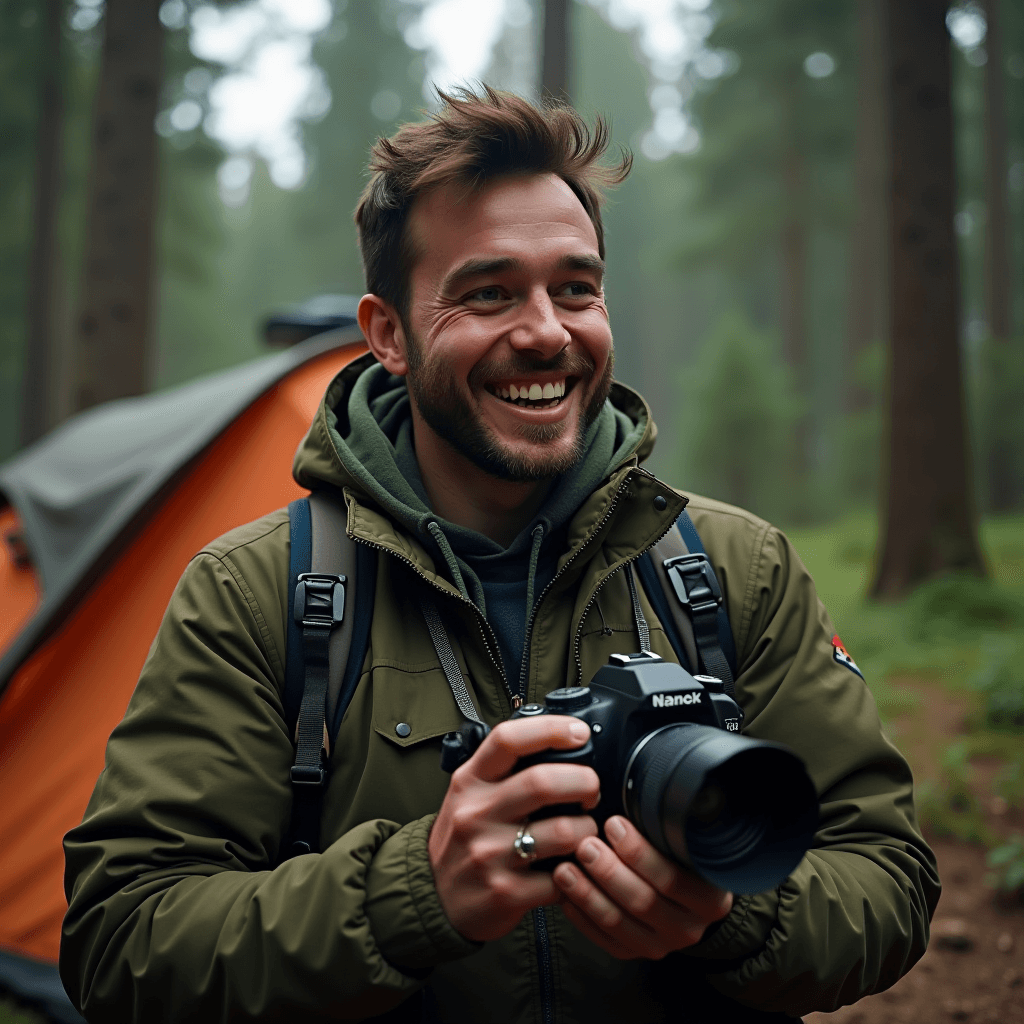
(997, 242)
(868, 241)
(42, 314)
(113, 324)
(929, 522)
(555, 59)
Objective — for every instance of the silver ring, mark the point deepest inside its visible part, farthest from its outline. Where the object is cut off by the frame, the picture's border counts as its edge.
(525, 845)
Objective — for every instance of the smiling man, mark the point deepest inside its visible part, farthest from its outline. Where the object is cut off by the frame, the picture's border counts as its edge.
(485, 456)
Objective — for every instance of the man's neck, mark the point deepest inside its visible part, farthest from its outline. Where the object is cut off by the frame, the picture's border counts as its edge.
(462, 493)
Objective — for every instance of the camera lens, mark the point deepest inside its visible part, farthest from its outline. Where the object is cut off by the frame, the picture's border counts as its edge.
(740, 812)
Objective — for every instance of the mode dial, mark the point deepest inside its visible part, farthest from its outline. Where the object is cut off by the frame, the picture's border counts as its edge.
(568, 698)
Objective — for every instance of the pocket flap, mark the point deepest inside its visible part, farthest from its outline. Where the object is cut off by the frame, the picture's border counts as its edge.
(410, 707)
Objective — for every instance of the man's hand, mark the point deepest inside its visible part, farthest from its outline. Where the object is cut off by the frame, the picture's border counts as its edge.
(482, 883)
(633, 902)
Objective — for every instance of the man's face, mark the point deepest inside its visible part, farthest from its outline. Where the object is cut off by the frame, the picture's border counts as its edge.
(506, 301)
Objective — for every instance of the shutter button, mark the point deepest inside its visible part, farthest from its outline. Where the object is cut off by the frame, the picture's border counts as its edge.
(403, 729)
(660, 503)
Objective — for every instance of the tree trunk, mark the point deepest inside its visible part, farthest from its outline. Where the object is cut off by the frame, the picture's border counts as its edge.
(793, 300)
(113, 324)
(868, 241)
(1003, 485)
(929, 522)
(997, 242)
(555, 71)
(42, 314)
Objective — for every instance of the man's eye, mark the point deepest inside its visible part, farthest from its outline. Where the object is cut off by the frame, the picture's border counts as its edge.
(487, 295)
(577, 289)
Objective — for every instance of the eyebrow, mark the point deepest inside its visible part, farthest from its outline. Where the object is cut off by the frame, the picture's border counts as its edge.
(509, 264)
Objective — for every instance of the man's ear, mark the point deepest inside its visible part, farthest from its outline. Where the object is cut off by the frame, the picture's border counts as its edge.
(382, 328)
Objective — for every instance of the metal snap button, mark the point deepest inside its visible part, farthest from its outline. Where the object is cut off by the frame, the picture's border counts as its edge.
(661, 503)
(403, 729)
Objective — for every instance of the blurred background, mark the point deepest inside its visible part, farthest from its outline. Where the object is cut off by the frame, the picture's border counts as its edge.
(172, 174)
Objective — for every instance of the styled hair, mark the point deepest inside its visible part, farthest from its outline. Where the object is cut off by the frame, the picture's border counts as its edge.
(471, 140)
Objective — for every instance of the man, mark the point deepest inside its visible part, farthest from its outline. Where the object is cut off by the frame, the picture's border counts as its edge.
(483, 451)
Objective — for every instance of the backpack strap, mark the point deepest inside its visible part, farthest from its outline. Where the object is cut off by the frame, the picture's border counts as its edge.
(325, 648)
(684, 592)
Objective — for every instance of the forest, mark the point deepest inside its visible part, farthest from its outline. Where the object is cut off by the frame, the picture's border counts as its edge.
(807, 352)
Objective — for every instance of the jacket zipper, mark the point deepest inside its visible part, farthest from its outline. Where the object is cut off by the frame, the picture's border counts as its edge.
(540, 925)
(490, 642)
(545, 972)
(593, 597)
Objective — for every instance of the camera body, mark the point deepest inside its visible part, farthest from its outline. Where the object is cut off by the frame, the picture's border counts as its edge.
(629, 699)
(667, 749)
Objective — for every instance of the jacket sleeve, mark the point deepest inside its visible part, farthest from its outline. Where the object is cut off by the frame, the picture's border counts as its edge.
(854, 915)
(176, 911)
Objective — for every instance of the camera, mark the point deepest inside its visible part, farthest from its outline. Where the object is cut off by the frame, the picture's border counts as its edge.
(666, 746)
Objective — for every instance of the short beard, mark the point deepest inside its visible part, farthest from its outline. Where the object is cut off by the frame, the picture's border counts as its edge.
(444, 408)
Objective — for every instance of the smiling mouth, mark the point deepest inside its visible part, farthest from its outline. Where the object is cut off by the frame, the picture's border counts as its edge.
(534, 396)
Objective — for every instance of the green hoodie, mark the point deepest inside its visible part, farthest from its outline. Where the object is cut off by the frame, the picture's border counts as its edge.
(180, 910)
(501, 581)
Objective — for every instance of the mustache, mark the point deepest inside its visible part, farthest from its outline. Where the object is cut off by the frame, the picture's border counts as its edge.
(575, 364)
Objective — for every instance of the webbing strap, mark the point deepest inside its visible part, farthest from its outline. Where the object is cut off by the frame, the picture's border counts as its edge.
(449, 663)
(725, 638)
(696, 622)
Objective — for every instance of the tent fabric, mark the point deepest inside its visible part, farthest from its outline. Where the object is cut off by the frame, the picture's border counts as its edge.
(38, 983)
(77, 489)
(64, 698)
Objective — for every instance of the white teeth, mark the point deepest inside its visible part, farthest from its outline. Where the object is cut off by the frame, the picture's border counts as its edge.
(549, 391)
(560, 389)
(504, 393)
(536, 392)
(514, 392)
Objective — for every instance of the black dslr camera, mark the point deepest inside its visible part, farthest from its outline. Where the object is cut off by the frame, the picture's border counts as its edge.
(666, 747)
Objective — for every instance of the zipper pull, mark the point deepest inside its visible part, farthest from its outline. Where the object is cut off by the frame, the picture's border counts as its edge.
(517, 702)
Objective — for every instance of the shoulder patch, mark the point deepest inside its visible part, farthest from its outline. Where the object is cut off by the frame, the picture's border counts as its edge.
(840, 655)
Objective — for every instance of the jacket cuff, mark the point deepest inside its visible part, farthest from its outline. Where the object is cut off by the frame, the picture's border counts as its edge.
(743, 931)
(413, 932)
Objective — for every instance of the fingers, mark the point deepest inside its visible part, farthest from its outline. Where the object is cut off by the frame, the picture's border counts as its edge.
(706, 901)
(509, 741)
(636, 900)
(544, 785)
(557, 837)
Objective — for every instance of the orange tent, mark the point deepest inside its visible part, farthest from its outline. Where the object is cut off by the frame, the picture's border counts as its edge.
(98, 520)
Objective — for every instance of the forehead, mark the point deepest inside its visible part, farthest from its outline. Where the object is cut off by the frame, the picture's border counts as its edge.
(521, 215)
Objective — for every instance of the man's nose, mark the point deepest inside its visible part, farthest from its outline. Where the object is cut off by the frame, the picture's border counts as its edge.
(538, 327)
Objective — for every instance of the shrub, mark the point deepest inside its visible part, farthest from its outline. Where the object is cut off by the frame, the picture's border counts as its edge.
(739, 418)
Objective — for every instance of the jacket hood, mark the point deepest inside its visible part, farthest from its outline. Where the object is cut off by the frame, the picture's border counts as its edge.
(360, 439)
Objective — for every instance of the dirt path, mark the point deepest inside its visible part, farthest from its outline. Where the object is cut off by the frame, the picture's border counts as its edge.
(974, 968)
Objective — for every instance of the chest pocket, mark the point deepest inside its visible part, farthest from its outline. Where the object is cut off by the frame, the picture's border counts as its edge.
(411, 706)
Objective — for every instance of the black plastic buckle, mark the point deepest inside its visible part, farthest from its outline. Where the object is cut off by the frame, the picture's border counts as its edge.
(694, 582)
(319, 600)
(307, 775)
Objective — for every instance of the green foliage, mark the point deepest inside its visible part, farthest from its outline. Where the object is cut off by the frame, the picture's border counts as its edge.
(1000, 681)
(1008, 863)
(950, 807)
(738, 417)
(861, 432)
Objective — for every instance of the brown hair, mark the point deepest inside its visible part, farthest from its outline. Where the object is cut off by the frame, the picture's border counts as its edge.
(469, 141)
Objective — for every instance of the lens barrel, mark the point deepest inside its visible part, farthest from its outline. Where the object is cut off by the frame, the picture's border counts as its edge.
(740, 812)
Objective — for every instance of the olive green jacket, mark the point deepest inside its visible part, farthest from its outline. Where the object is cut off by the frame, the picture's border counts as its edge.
(180, 911)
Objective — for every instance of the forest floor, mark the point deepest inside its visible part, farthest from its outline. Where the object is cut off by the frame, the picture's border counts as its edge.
(947, 671)
(974, 968)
